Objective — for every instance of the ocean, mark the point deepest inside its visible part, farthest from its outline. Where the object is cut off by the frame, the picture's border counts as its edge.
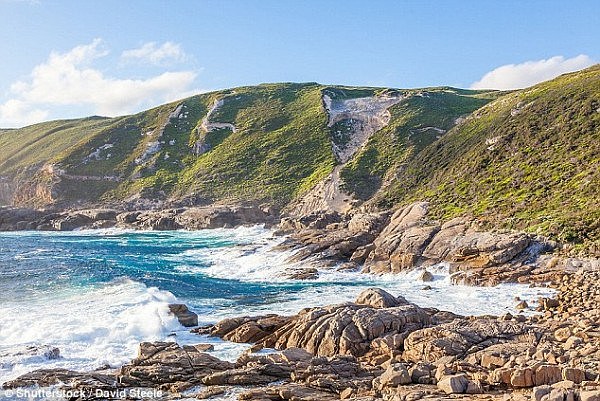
(95, 295)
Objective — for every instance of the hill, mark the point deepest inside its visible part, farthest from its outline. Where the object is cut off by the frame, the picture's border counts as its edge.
(529, 160)
(526, 159)
(268, 143)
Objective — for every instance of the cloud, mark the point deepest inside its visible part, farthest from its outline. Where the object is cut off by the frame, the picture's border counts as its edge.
(517, 76)
(15, 110)
(69, 79)
(158, 55)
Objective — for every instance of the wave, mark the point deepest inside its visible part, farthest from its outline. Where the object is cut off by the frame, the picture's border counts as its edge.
(91, 327)
(98, 324)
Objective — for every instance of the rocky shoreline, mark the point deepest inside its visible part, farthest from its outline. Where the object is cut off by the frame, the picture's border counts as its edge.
(188, 218)
(380, 347)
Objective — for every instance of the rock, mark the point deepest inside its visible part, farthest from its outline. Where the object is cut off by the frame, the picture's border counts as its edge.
(378, 298)
(539, 392)
(196, 218)
(346, 329)
(589, 395)
(455, 384)
(400, 244)
(547, 374)
(460, 337)
(522, 377)
(333, 374)
(288, 391)
(573, 375)
(522, 305)
(315, 220)
(562, 334)
(371, 223)
(309, 273)
(572, 342)
(245, 329)
(422, 373)
(395, 375)
(559, 395)
(204, 347)
(243, 376)
(50, 377)
(100, 214)
(186, 317)
(168, 363)
(426, 276)
(474, 387)
(71, 222)
(565, 384)
(210, 392)
(548, 303)
(47, 351)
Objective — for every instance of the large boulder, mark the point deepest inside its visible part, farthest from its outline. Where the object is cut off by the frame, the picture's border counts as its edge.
(163, 363)
(462, 337)
(186, 317)
(378, 298)
(346, 329)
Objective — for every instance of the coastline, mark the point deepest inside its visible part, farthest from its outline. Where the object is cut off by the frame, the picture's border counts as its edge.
(315, 241)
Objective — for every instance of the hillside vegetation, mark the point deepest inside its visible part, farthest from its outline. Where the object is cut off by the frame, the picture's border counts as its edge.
(530, 160)
(526, 159)
(268, 143)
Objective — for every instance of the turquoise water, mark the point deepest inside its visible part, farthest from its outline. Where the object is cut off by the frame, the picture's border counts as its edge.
(96, 294)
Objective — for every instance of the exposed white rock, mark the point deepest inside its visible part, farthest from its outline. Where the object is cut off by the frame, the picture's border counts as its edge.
(96, 154)
(366, 115)
(154, 147)
(207, 125)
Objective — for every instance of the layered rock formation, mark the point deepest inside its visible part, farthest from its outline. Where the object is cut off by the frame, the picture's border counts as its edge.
(380, 348)
(408, 239)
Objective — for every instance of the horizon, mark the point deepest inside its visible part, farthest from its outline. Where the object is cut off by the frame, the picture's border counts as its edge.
(86, 59)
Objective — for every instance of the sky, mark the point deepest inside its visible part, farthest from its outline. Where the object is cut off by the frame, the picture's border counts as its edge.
(67, 59)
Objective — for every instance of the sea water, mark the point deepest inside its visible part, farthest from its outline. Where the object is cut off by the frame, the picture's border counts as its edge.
(95, 295)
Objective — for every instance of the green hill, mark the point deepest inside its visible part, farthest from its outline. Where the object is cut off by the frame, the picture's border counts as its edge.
(530, 160)
(526, 159)
(270, 143)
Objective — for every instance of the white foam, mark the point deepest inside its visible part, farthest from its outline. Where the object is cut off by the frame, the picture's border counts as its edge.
(91, 328)
(259, 263)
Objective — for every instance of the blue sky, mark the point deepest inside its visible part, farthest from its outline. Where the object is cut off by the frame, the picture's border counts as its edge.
(75, 58)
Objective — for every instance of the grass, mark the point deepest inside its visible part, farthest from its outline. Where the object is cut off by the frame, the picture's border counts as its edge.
(524, 160)
(527, 161)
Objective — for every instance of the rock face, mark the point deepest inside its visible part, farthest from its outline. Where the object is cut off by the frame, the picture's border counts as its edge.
(478, 257)
(168, 363)
(461, 337)
(186, 317)
(408, 239)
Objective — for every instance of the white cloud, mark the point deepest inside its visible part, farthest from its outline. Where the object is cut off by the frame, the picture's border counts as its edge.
(516, 76)
(152, 53)
(69, 79)
(16, 112)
